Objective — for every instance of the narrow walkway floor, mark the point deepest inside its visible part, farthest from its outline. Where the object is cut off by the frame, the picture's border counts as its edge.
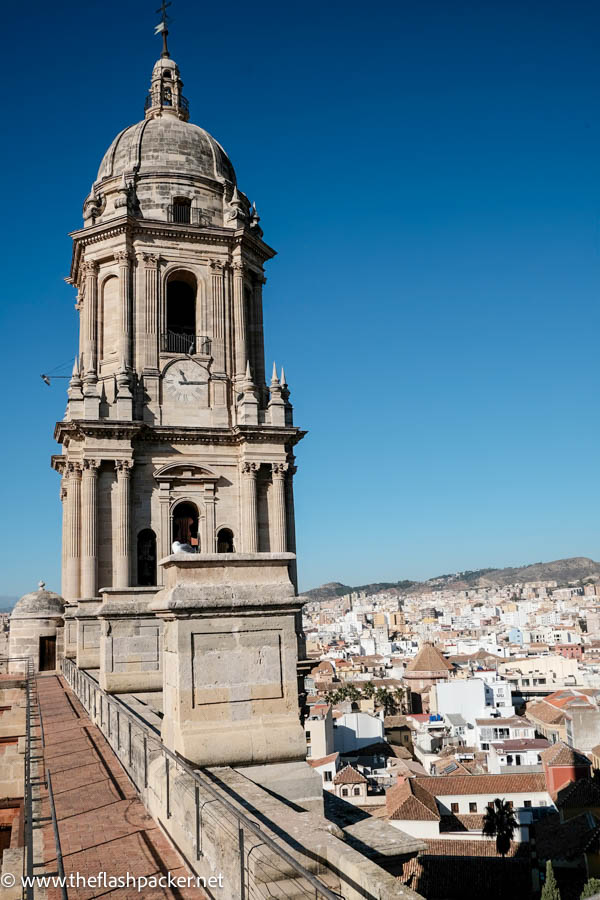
(103, 825)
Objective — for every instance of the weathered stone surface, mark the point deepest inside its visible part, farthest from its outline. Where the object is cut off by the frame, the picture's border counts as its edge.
(230, 654)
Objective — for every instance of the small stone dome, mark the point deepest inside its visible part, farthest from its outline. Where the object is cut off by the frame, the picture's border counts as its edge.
(40, 604)
(166, 145)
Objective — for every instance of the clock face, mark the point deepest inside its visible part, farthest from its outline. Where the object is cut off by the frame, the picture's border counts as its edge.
(186, 381)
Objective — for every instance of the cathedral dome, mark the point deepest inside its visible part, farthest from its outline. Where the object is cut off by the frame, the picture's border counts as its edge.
(40, 604)
(166, 145)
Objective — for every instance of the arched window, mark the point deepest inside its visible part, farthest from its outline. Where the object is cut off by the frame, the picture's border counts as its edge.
(181, 313)
(344, 792)
(182, 210)
(225, 541)
(146, 558)
(357, 792)
(185, 524)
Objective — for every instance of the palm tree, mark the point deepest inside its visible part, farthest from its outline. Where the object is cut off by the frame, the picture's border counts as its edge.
(368, 690)
(500, 822)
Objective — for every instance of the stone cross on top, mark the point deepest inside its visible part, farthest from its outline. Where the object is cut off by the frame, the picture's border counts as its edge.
(162, 27)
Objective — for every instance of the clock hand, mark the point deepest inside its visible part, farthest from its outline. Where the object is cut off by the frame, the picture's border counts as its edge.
(182, 373)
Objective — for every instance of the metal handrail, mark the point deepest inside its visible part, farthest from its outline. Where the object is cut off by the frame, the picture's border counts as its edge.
(75, 676)
(59, 856)
(28, 860)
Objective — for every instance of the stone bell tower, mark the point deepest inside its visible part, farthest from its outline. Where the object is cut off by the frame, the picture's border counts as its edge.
(171, 431)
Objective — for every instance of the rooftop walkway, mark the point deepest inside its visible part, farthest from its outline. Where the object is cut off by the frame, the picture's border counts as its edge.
(103, 826)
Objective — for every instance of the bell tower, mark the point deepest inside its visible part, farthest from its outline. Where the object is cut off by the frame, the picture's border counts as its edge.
(171, 430)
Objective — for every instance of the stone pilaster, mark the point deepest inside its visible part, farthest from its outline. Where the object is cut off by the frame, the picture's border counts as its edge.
(89, 528)
(239, 315)
(291, 521)
(91, 398)
(73, 554)
(249, 515)
(210, 541)
(278, 533)
(124, 259)
(122, 538)
(259, 352)
(150, 337)
(218, 315)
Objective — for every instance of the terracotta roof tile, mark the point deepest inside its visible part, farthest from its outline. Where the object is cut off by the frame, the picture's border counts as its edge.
(441, 785)
(468, 870)
(585, 792)
(561, 755)
(323, 760)
(407, 800)
(428, 659)
(349, 775)
(566, 840)
(546, 713)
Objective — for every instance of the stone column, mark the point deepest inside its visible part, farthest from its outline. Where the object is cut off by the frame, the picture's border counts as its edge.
(239, 315)
(122, 542)
(291, 521)
(278, 526)
(90, 317)
(124, 260)
(73, 554)
(218, 315)
(249, 517)
(91, 398)
(89, 533)
(65, 530)
(210, 544)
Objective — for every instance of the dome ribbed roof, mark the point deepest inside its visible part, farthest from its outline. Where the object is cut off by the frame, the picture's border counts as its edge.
(166, 144)
(38, 604)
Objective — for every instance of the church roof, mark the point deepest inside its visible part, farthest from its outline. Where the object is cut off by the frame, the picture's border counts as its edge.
(166, 144)
(349, 775)
(428, 659)
(38, 604)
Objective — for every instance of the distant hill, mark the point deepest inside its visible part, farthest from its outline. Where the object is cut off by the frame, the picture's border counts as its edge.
(7, 603)
(563, 571)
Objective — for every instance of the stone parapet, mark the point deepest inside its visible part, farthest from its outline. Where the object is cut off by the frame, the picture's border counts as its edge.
(230, 652)
(130, 641)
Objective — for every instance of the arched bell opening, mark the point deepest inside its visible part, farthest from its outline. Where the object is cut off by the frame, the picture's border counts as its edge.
(181, 313)
(146, 558)
(225, 541)
(185, 524)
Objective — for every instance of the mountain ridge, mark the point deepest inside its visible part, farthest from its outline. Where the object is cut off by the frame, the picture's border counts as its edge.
(563, 571)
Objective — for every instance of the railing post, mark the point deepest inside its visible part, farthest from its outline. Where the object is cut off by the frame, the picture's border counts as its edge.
(168, 788)
(129, 731)
(241, 852)
(145, 761)
(197, 800)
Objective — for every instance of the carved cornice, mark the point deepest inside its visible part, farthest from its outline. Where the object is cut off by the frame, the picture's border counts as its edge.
(79, 429)
(255, 249)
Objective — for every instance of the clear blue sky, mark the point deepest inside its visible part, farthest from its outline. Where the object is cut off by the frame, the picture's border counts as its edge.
(429, 176)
